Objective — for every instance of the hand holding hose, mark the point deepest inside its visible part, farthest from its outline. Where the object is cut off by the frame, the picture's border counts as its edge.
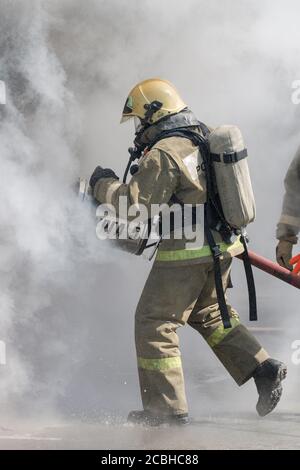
(100, 173)
(284, 251)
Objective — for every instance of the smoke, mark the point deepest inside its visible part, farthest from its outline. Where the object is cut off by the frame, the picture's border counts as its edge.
(45, 233)
(67, 301)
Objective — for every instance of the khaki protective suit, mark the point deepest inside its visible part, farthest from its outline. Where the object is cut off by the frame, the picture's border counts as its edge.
(289, 222)
(180, 288)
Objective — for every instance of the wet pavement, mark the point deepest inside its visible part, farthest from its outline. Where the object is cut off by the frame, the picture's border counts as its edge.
(278, 431)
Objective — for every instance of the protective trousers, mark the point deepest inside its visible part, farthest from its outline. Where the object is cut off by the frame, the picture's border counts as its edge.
(173, 296)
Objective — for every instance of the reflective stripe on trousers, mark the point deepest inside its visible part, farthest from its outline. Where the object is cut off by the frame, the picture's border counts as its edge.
(167, 363)
(162, 364)
(220, 333)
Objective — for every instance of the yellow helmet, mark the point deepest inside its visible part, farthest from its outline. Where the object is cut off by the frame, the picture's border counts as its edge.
(151, 100)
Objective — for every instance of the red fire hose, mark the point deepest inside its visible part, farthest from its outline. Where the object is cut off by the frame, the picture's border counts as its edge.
(274, 269)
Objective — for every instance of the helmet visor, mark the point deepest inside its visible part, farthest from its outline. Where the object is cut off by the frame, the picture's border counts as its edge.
(125, 119)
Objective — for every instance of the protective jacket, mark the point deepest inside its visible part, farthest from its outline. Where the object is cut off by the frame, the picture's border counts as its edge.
(171, 168)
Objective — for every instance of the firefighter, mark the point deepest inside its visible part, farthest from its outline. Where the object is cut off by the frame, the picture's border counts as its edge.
(181, 287)
(289, 223)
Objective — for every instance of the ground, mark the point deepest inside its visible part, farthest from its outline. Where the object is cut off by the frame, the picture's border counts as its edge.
(278, 431)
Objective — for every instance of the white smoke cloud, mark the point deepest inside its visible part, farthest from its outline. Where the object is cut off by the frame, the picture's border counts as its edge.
(45, 232)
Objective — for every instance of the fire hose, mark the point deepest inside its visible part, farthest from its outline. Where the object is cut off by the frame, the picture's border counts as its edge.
(273, 269)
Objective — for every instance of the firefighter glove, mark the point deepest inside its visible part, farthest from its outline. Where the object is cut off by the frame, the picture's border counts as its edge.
(284, 253)
(100, 173)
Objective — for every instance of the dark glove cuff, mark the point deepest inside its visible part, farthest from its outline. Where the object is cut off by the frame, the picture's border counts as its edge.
(289, 238)
(100, 173)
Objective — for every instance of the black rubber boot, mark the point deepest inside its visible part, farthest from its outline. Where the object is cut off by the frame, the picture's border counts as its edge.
(147, 419)
(268, 377)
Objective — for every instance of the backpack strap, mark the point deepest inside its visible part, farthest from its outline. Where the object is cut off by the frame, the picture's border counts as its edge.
(250, 280)
(216, 254)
